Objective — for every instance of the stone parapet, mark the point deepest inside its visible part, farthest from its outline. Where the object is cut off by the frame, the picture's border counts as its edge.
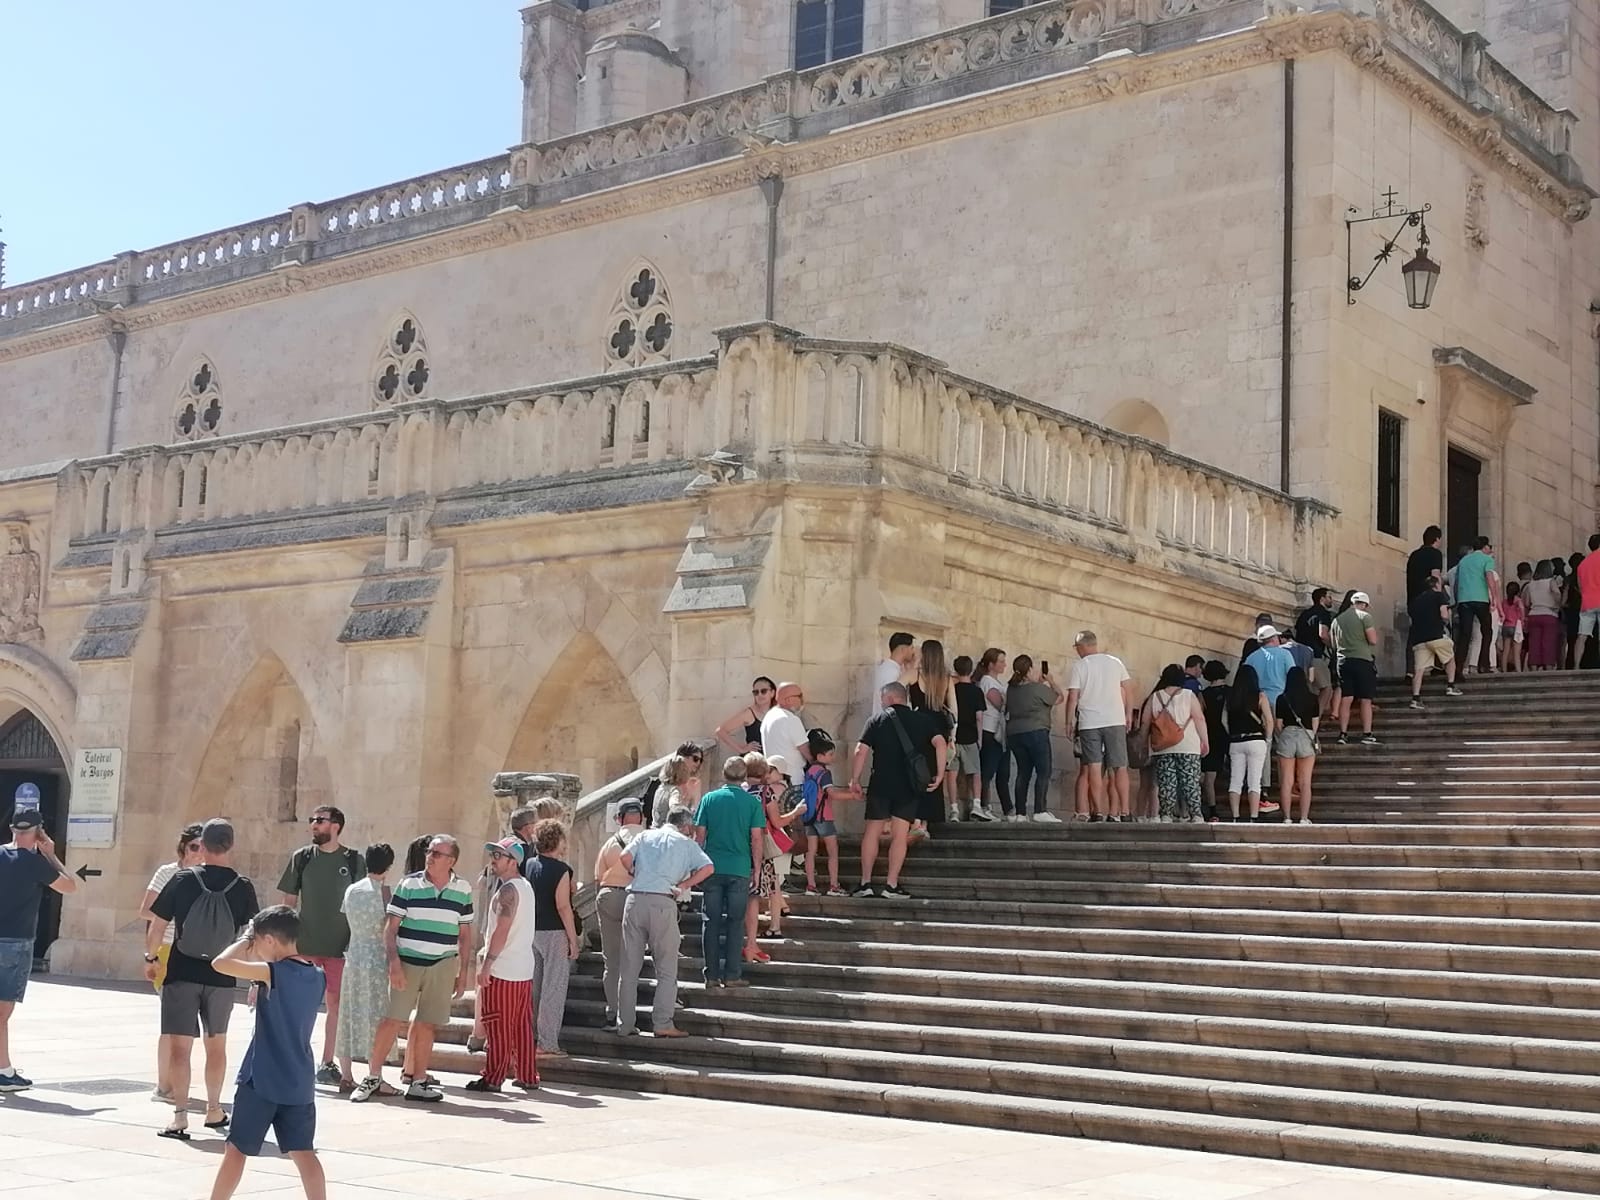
(783, 124)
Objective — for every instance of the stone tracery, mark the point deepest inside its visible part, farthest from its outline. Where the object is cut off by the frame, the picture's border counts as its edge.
(402, 370)
(639, 327)
(199, 411)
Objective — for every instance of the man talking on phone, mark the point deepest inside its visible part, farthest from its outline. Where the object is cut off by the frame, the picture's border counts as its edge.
(28, 866)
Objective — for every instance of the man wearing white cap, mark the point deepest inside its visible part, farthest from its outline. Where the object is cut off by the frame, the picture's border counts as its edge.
(1272, 662)
(1355, 639)
(505, 974)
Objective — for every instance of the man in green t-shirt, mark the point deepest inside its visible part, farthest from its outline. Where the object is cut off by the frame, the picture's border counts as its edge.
(734, 830)
(1355, 644)
(317, 876)
(1476, 584)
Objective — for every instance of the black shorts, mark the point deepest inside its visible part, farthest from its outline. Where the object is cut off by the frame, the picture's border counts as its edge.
(1358, 679)
(900, 807)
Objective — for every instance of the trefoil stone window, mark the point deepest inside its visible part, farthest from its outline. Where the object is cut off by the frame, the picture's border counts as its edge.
(402, 371)
(640, 327)
(199, 411)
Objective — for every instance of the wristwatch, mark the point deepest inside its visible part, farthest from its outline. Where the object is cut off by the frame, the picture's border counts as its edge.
(150, 958)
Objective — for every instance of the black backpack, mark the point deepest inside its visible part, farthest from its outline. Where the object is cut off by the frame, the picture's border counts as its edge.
(209, 927)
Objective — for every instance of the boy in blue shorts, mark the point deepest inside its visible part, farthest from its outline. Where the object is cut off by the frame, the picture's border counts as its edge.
(277, 1080)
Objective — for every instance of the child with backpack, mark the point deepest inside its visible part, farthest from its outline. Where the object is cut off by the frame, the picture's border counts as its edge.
(277, 1080)
(819, 792)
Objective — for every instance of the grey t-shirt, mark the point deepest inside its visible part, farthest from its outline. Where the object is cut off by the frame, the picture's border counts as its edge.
(1028, 707)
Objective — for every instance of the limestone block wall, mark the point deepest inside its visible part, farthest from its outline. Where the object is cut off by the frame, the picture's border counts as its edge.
(1516, 286)
(1129, 250)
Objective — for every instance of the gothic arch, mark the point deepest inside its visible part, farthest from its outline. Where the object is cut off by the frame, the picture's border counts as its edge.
(1141, 419)
(403, 368)
(583, 719)
(640, 325)
(29, 680)
(198, 411)
(265, 765)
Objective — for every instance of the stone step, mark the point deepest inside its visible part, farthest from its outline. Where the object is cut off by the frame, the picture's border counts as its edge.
(1023, 867)
(586, 1006)
(1286, 1000)
(1505, 834)
(1276, 1138)
(1362, 1074)
(1467, 931)
(1555, 1128)
(1531, 906)
(1572, 858)
(1387, 818)
(1416, 983)
(805, 932)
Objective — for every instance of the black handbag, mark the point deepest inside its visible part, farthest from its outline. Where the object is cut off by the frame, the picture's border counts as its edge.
(920, 773)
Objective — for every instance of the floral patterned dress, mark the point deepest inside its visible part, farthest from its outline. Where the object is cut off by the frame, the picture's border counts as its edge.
(365, 993)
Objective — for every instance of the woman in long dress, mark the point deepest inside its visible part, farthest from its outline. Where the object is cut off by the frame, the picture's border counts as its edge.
(365, 993)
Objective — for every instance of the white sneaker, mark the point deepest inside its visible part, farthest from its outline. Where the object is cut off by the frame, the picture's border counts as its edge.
(1016, 817)
(954, 815)
(981, 813)
(1305, 820)
(1045, 818)
(426, 1093)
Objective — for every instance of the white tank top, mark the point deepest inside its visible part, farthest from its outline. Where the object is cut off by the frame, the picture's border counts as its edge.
(516, 956)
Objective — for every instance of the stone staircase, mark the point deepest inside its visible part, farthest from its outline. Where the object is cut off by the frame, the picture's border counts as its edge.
(1411, 984)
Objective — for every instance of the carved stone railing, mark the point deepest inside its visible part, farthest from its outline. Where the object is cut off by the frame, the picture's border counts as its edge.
(1462, 61)
(790, 106)
(771, 397)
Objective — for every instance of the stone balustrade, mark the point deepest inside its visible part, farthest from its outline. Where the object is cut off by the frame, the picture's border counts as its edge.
(769, 397)
(788, 107)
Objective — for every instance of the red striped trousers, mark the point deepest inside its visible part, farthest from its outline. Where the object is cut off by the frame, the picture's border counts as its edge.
(507, 1010)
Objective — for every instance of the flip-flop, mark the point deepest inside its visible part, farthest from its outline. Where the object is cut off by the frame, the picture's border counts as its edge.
(222, 1124)
(177, 1135)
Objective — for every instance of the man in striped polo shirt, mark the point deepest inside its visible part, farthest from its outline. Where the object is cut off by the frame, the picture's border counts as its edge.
(429, 939)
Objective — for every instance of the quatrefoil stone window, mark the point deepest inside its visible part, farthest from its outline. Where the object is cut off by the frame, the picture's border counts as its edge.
(402, 369)
(199, 409)
(640, 325)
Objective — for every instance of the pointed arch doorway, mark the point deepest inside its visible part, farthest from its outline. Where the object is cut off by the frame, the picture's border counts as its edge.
(29, 755)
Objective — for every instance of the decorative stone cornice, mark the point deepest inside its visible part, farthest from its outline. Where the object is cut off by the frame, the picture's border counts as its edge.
(1277, 37)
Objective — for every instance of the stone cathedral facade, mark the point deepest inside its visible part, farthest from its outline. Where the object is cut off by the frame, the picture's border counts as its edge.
(786, 325)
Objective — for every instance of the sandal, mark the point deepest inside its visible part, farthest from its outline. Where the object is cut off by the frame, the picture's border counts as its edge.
(221, 1124)
(178, 1133)
(346, 1086)
(757, 956)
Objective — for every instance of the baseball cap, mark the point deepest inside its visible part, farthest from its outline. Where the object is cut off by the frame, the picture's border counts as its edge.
(1360, 598)
(631, 805)
(27, 818)
(1267, 633)
(778, 763)
(508, 846)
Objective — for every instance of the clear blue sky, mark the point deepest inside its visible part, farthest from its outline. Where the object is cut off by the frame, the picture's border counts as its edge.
(131, 123)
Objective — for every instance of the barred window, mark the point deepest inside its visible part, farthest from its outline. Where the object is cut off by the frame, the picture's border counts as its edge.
(1391, 457)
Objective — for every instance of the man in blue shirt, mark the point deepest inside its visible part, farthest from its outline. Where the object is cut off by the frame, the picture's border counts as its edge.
(1476, 582)
(666, 862)
(277, 1080)
(28, 866)
(1272, 663)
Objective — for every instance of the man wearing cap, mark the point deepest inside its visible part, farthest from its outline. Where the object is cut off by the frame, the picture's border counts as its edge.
(1355, 640)
(666, 863)
(505, 974)
(28, 866)
(1272, 663)
(613, 878)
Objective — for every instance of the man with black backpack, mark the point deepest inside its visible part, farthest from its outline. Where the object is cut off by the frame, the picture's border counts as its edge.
(908, 762)
(208, 905)
(317, 877)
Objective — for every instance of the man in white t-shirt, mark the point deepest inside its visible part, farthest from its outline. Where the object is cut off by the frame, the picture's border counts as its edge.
(899, 667)
(1099, 715)
(783, 733)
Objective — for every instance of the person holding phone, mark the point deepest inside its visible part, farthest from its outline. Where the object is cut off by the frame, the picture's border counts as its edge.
(1030, 701)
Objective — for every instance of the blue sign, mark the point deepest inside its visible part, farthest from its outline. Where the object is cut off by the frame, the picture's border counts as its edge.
(27, 795)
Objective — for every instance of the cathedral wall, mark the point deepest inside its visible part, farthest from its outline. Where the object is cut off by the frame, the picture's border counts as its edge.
(1126, 251)
(1515, 288)
(55, 404)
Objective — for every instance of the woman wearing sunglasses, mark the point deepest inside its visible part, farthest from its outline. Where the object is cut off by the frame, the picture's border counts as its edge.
(741, 733)
(188, 856)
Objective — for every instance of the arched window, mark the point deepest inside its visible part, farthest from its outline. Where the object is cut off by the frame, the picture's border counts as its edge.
(639, 328)
(402, 370)
(199, 410)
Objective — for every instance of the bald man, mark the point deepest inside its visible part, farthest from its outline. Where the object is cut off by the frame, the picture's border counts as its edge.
(783, 733)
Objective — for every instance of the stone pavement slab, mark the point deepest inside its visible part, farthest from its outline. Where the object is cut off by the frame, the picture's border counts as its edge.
(74, 1139)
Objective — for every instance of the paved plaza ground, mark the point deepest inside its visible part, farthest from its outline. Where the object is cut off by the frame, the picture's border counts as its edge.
(71, 1139)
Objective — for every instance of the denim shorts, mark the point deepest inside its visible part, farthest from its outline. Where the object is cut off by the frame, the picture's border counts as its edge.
(1589, 622)
(16, 961)
(1294, 741)
(822, 829)
(294, 1125)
